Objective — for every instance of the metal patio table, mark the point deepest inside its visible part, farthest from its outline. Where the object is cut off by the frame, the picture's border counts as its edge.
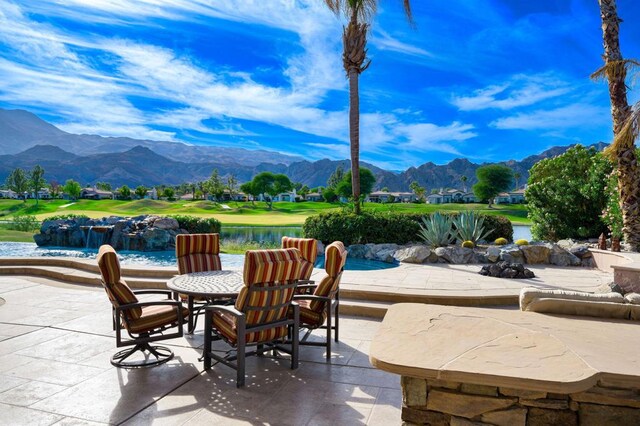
(209, 285)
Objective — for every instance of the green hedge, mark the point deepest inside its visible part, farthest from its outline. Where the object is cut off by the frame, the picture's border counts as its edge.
(70, 216)
(198, 225)
(383, 227)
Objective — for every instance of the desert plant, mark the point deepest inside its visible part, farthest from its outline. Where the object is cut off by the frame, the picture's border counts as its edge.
(468, 244)
(437, 230)
(470, 227)
(501, 241)
(522, 242)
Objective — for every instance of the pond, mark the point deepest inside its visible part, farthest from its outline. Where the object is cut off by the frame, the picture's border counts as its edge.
(261, 234)
(157, 258)
(522, 232)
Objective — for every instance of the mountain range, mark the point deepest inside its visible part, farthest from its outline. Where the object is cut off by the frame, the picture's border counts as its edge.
(27, 140)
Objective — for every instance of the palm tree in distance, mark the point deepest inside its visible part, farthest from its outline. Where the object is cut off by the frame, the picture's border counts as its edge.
(354, 59)
(625, 123)
(464, 179)
(516, 177)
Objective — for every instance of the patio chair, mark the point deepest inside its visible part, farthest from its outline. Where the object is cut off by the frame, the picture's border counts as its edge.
(316, 308)
(197, 253)
(145, 322)
(309, 250)
(260, 315)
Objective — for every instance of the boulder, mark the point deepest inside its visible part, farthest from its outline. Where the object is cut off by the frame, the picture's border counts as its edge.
(156, 239)
(493, 253)
(534, 254)
(381, 252)
(166, 223)
(456, 255)
(581, 250)
(511, 254)
(42, 239)
(413, 254)
(561, 257)
(357, 251)
(566, 244)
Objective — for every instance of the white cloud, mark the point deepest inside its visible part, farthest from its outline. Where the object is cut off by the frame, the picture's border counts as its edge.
(570, 116)
(521, 90)
(383, 41)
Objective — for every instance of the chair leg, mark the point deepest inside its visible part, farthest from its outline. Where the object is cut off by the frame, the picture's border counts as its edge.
(295, 337)
(337, 316)
(240, 362)
(328, 330)
(208, 321)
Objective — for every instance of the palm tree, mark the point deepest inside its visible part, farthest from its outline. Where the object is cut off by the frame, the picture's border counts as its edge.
(354, 60)
(625, 124)
(464, 179)
(516, 177)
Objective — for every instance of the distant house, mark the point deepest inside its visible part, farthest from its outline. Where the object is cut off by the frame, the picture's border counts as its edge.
(152, 194)
(43, 194)
(290, 196)
(313, 196)
(236, 196)
(514, 197)
(386, 197)
(7, 193)
(96, 194)
(452, 196)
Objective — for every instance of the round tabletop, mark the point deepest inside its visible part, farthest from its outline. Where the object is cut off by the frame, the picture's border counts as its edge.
(208, 284)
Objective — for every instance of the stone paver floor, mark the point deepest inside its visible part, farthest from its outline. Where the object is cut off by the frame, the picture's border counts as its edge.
(55, 345)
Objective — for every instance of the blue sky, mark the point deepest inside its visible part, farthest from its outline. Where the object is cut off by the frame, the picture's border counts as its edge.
(483, 79)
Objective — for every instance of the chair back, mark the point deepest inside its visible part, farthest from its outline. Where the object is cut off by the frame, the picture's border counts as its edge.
(308, 248)
(270, 280)
(117, 289)
(334, 260)
(198, 253)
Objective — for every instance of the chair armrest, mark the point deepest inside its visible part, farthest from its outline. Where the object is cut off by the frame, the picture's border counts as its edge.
(155, 291)
(150, 303)
(224, 308)
(312, 297)
(306, 286)
(303, 283)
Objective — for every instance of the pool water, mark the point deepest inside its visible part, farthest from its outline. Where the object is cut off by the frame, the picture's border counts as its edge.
(157, 258)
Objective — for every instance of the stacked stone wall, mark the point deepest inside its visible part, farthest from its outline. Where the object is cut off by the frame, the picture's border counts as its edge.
(440, 403)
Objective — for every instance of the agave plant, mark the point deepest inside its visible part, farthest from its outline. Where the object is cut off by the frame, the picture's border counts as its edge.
(469, 227)
(437, 230)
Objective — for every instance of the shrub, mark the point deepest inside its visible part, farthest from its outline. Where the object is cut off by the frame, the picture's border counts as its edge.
(469, 227)
(383, 227)
(468, 244)
(437, 230)
(198, 225)
(24, 223)
(566, 194)
(501, 241)
(67, 217)
(522, 242)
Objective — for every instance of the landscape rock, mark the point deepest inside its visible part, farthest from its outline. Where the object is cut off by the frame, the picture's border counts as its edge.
(456, 255)
(561, 257)
(511, 254)
(493, 253)
(381, 252)
(581, 250)
(535, 254)
(166, 223)
(156, 239)
(413, 254)
(506, 270)
(468, 406)
(357, 251)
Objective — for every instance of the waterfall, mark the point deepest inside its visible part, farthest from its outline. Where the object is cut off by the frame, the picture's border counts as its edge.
(88, 246)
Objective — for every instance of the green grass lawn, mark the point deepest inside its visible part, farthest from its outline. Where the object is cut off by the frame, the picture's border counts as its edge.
(248, 214)
(15, 236)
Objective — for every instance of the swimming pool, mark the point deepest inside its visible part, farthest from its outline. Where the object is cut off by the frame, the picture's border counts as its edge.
(157, 258)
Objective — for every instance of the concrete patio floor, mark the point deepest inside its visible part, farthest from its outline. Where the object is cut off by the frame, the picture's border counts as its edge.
(55, 345)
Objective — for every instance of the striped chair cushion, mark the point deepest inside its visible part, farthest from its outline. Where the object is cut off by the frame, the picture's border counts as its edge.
(117, 289)
(226, 324)
(335, 258)
(308, 316)
(154, 317)
(308, 248)
(198, 252)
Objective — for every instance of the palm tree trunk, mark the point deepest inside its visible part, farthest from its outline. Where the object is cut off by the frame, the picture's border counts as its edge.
(628, 171)
(354, 136)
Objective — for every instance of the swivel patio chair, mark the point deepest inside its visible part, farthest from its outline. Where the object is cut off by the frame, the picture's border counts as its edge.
(316, 308)
(145, 322)
(260, 315)
(309, 250)
(197, 253)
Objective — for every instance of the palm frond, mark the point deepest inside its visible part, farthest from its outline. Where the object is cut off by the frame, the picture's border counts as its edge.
(626, 138)
(615, 69)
